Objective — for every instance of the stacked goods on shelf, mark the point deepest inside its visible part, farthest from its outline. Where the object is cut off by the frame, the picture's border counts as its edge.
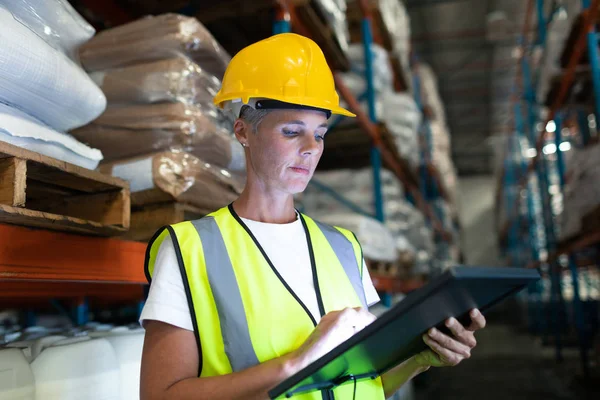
(548, 59)
(334, 12)
(397, 110)
(155, 38)
(397, 23)
(91, 362)
(413, 239)
(515, 163)
(581, 203)
(161, 130)
(391, 24)
(439, 144)
(43, 91)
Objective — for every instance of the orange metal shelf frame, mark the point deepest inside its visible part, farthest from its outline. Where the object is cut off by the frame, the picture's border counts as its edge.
(39, 255)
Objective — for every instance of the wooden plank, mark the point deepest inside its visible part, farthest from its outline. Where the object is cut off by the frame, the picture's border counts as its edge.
(42, 255)
(12, 181)
(56, 171)
(149, 197)
(39, 219)
(108, 208)
(145, 222)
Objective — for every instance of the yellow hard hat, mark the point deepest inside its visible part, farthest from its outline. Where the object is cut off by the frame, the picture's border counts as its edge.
(288, 68)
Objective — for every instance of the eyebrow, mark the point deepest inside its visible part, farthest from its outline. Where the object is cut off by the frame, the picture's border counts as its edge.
(298, 122)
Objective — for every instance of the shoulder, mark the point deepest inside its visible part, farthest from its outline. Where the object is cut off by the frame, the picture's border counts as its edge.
(333, 229)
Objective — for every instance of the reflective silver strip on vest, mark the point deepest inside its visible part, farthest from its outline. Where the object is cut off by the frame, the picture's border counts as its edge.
(345, 253)
(226, 292)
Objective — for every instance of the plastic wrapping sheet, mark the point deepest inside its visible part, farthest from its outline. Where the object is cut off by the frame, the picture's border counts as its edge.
(397, 23)
(155, 38)
(127, 131)
(376, 240)
(335, 13)
(43, 81)
(402, 118)
(176, 79)
(54, 21)
(429, 91)
(23, 130)
(382, 69)
(355, 185)
(187, 178)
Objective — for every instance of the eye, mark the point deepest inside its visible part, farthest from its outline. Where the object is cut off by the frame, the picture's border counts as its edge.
(320, 137)
(288, 132)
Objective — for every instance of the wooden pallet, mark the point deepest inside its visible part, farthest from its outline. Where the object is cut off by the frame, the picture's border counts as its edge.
(39, 191)
(147, 220)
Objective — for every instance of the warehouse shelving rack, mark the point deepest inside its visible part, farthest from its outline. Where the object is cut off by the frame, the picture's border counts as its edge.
(421, 195)
(561, 254)
(38, 265)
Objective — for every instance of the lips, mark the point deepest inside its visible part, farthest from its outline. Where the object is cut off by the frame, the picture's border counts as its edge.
(301, 170)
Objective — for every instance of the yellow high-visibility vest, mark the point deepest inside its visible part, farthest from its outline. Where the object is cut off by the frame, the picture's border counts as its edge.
(242, 311)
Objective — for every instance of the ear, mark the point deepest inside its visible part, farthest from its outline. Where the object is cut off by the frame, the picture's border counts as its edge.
(241, 130)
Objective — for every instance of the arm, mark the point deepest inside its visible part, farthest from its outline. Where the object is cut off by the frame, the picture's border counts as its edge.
(444, 351)
(170, 361)
(170, 367)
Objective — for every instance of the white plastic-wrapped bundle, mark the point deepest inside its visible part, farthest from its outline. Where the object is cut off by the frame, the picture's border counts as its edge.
(376, 240)
(383, 78)
(42, 81)
(430, 95)
(402, 118)
(397, 23)
(155, 38)
(22, 130)
(55, 21)
(354, 185)
(335, 13)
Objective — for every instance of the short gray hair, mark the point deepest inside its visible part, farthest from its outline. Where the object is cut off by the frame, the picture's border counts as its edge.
(252, 116)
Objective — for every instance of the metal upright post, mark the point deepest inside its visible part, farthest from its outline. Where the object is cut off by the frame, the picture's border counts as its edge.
(282, 20)
(577, 306)
(541, 22)
(535, 289)
(367, 39)
(541, 170)
(594, 56)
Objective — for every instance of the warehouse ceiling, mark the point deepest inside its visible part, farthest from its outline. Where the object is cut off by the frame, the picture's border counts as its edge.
(471, 45)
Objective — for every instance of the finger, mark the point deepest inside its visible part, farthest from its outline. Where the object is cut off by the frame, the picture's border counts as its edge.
(446, 355)
(449, 343)
(460, 333)
(478, 321)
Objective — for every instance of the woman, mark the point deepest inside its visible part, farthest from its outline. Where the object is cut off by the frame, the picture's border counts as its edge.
(251, 294)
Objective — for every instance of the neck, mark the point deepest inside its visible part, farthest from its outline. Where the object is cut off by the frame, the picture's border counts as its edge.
(258, 203)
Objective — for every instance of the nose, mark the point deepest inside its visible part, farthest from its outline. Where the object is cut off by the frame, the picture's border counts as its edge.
(310, 146)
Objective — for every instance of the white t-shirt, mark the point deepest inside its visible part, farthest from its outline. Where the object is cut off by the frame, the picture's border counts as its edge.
(284, 244)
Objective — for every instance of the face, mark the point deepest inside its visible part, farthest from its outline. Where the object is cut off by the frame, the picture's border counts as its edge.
(285, 151)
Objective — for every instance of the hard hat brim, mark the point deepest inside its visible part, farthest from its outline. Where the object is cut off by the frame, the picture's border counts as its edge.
(219, 100)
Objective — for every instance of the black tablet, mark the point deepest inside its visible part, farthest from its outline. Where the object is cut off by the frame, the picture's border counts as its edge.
(397, 334)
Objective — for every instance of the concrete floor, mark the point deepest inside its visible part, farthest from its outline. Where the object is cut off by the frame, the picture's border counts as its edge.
(507, 365)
